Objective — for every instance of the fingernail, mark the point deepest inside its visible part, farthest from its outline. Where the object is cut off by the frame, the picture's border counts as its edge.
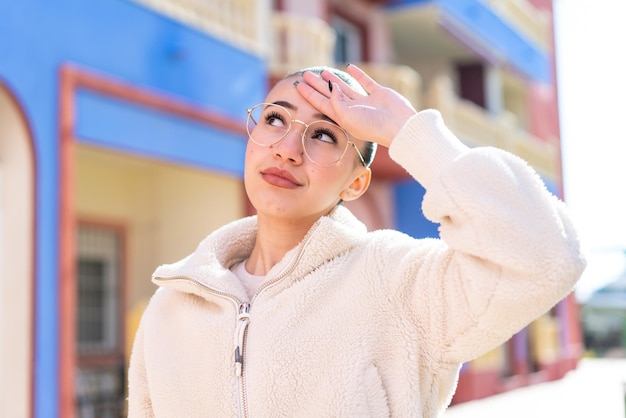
(330, 86)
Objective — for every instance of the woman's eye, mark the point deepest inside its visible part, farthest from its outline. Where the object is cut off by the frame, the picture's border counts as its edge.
(274, 119)
(324, 135)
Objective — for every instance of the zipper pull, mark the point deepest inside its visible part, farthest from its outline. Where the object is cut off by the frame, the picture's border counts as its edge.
(238, 362)
(243, 318)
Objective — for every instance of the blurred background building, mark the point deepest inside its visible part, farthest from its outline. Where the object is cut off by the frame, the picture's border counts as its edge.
(122, 140)
(603, 316)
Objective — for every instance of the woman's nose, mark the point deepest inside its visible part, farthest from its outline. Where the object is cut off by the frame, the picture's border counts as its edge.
(290, 147)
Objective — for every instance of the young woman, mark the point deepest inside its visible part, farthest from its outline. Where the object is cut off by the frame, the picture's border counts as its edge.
(299, 311)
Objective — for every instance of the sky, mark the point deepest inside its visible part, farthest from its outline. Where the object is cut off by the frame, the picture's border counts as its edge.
(591, 72)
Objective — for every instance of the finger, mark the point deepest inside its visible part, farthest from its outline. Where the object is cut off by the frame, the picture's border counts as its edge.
(344, 87)
(315, 81)
(318, 100)
(368, 83)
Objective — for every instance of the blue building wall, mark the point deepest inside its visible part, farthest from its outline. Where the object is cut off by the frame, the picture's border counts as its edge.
(125, 41)
(134, 129)
(408, 198)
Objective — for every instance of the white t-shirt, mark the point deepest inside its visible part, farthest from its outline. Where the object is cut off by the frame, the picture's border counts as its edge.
(249, 281)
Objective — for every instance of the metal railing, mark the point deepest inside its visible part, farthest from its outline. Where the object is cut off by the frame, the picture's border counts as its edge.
(100, 392)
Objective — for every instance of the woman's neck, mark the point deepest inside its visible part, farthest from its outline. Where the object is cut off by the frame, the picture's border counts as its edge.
(274, 239)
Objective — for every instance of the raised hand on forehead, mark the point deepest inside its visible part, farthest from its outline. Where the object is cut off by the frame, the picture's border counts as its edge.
(376, 117)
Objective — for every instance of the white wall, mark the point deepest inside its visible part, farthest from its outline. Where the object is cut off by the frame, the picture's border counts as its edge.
(16, 260)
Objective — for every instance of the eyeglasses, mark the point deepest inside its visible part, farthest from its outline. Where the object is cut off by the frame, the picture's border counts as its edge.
(324, 142)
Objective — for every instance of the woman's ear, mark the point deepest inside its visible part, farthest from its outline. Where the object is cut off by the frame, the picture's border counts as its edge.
(358, 186)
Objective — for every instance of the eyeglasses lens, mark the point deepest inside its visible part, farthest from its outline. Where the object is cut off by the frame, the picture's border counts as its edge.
(324, 142)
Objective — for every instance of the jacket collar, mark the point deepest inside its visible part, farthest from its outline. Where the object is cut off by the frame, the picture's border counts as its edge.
(207, 269)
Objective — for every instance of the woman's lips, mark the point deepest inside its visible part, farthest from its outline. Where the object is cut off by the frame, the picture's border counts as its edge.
(280, 178)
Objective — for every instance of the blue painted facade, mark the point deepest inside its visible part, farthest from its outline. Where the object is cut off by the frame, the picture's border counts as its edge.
(127, 42)
(408, 197)
(133, 129)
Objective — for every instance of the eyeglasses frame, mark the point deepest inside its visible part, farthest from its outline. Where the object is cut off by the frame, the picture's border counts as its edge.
(306, 127)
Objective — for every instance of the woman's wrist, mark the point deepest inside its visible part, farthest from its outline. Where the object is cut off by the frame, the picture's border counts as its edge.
(397, 126)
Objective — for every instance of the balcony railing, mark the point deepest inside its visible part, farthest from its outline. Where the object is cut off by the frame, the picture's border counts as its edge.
(401, 78)
(298, 42)
(476, 127)
(530, 21)
(239, 22)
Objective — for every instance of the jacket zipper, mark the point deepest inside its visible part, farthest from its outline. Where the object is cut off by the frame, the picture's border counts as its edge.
(243, 319)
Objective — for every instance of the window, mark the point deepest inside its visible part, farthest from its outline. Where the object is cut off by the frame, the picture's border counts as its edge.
(349, 41)
(472, 83)
(98, 290)
(100, 378)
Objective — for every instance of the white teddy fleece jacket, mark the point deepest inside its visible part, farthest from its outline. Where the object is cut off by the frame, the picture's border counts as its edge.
(354, 323)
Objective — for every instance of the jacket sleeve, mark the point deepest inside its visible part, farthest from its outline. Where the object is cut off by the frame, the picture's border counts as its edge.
(508, 250)
(139, 401)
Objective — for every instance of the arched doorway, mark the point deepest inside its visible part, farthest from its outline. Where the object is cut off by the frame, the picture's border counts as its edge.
(17, 255)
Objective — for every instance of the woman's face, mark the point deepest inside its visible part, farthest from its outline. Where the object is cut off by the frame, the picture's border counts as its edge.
(282, 182)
